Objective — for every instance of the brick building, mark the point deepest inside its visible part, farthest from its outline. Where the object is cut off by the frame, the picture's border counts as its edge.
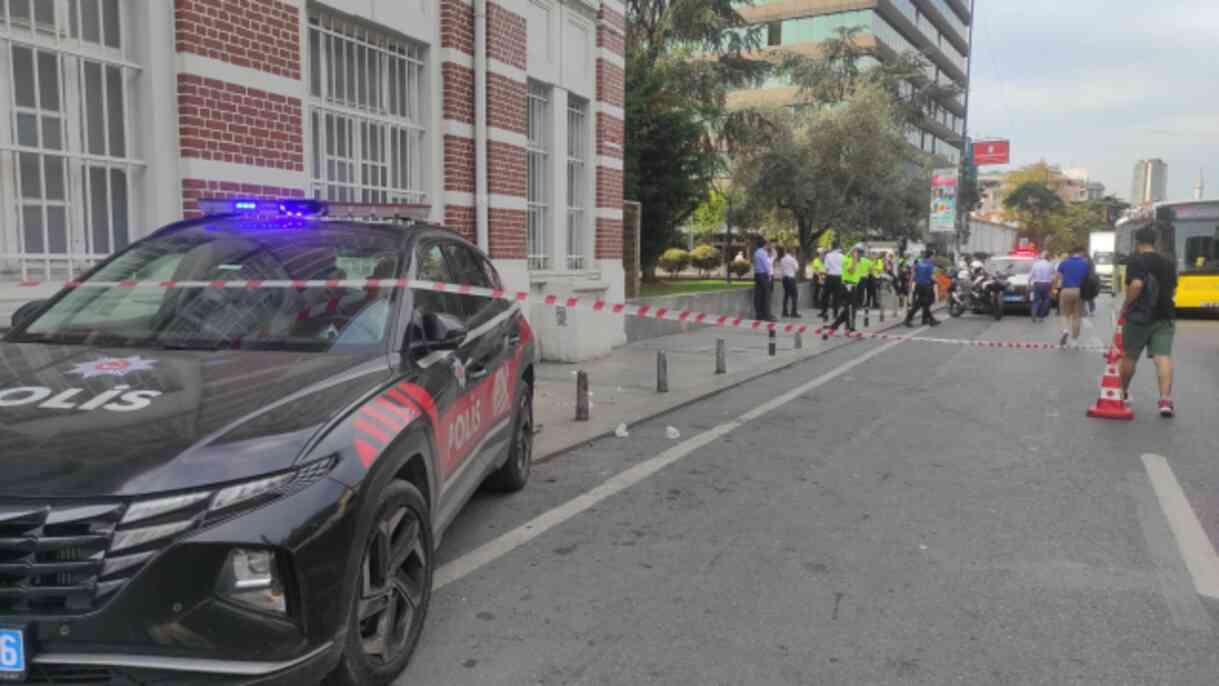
(116, 116)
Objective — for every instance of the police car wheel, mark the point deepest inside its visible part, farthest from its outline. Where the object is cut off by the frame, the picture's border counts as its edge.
(514, 474)
(392, 591)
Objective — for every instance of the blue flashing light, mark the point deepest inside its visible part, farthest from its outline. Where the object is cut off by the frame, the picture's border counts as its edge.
(293, 207)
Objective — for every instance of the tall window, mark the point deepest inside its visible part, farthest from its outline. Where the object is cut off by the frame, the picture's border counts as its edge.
(68, 174)
(539, 239)
(367, 114)
(577, 181)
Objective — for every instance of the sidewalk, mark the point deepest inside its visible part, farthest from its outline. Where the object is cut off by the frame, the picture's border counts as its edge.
(622, 385)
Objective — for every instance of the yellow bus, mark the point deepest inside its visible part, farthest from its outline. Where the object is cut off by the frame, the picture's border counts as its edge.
(1189, 236)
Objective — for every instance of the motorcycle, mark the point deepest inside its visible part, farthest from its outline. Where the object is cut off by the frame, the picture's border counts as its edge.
(982, 295)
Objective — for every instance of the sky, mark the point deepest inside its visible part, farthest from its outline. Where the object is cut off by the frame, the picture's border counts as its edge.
(1100, 84)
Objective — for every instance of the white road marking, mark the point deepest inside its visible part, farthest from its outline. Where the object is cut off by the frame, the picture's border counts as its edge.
(506, 543)
(1195, 546)
(1171, 576)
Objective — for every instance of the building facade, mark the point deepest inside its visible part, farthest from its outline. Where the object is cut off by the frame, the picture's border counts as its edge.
(1150, 182)
(940, 29)
(503, 118)
(1072, 186)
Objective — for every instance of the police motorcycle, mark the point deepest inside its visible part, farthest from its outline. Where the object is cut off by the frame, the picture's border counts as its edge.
(977, 290)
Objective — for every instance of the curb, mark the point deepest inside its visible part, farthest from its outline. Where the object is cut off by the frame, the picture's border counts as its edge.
(557, 452)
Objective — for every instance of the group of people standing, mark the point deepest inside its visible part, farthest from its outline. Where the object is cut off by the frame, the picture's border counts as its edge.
(842, 283)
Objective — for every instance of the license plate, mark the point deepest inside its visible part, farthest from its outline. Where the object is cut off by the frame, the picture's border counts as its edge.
(1013, 298)
(12, 654)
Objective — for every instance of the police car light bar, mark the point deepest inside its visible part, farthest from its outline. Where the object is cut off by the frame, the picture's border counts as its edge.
(300, 207)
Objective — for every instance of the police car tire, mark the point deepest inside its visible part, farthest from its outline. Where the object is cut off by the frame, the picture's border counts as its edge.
(514, 473)
(355, 668)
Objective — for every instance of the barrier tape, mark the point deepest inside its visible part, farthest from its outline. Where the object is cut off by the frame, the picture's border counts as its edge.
(571, 302)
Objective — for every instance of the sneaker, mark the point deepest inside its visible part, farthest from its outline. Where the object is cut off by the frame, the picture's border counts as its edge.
(1063, 340)
(1167, 409)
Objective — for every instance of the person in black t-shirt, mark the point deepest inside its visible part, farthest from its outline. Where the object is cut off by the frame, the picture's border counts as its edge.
(1151, 284)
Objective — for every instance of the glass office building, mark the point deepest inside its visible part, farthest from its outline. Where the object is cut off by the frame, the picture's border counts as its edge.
(937, 28)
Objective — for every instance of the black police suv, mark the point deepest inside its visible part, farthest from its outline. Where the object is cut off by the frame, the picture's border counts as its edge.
(210, 484)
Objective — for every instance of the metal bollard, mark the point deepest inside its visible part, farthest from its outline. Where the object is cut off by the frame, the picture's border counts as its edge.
(799, 341)
(662, 372)
(721, 356)
(772, 344)
(581, 396)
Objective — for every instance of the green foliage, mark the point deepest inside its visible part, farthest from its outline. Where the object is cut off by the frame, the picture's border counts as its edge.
(848, 167)
(739, 267)
(674, 260)
(705, 258)
(682, 58)
(1038, 209)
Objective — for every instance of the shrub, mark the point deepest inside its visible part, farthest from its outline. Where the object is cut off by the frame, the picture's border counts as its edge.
(674, 260)
(740, 267)
(705, 258)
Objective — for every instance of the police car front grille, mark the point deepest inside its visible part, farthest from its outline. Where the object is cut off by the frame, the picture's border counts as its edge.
(59, 558)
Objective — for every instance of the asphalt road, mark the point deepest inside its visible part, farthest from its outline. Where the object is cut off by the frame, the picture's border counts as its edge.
(909, 513)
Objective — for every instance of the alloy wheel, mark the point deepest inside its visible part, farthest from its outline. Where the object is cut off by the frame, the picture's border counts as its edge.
(392, 585)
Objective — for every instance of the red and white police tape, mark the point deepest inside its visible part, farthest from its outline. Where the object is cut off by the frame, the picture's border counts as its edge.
(736, 321)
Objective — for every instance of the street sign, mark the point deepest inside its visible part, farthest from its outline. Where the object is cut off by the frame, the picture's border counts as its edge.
(943, 201)
(992, 152)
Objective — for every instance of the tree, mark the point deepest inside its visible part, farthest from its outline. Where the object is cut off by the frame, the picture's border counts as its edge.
(1035, 207)
(674, 260)
(705, 258)
(847, 166)
(682, 58)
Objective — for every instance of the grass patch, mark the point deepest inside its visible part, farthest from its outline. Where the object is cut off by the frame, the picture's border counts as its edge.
(684, 286)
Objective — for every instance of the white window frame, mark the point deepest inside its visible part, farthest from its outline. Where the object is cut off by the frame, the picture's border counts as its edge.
(93, 223)
(368, 112)
(577, 182)
(539, 191)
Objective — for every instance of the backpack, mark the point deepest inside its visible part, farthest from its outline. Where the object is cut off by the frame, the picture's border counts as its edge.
(1091, 285)
(1143, 309)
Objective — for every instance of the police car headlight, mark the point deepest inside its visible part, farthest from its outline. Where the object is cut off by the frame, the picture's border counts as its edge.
(237, 498)
(251, 577)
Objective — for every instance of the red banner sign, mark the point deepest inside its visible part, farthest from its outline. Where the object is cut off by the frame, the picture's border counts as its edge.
(992, 152)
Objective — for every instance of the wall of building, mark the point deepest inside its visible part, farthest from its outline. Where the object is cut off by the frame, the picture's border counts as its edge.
(227, 98)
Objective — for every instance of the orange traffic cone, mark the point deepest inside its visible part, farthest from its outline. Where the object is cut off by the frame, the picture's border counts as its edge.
(1110, 404)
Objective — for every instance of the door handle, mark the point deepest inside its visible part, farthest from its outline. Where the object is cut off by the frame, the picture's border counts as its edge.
(477, 372)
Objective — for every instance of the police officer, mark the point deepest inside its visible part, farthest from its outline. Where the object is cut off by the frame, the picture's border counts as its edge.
(818, 281)
(924, 290)
(853, 272)
(832, 290)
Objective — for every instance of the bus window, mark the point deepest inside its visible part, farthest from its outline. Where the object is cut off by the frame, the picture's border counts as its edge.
(1198, 251)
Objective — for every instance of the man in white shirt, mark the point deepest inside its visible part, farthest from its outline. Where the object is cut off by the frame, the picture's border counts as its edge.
(1041, 280)
(788, 266)
(833, 283)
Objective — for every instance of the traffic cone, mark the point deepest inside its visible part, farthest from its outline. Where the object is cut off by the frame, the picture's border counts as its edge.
(1110, 404)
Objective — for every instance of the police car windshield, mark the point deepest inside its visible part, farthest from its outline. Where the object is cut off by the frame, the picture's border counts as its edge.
(275, 317)
(1010, 266)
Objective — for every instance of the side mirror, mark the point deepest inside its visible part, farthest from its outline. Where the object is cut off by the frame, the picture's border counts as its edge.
(28, 312)
(441, 332)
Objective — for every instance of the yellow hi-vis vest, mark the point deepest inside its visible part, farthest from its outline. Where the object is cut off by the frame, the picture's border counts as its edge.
(852, 270)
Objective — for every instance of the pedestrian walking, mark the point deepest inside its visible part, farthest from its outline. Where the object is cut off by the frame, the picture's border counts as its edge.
(853, 273)
(924, 290)
(1151, 285)
(1042, 279)
(1072, 273)
(762, 273)
(788, 266)
(831, 292)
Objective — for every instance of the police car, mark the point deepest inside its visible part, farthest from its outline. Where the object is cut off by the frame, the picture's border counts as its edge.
(246, 483)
